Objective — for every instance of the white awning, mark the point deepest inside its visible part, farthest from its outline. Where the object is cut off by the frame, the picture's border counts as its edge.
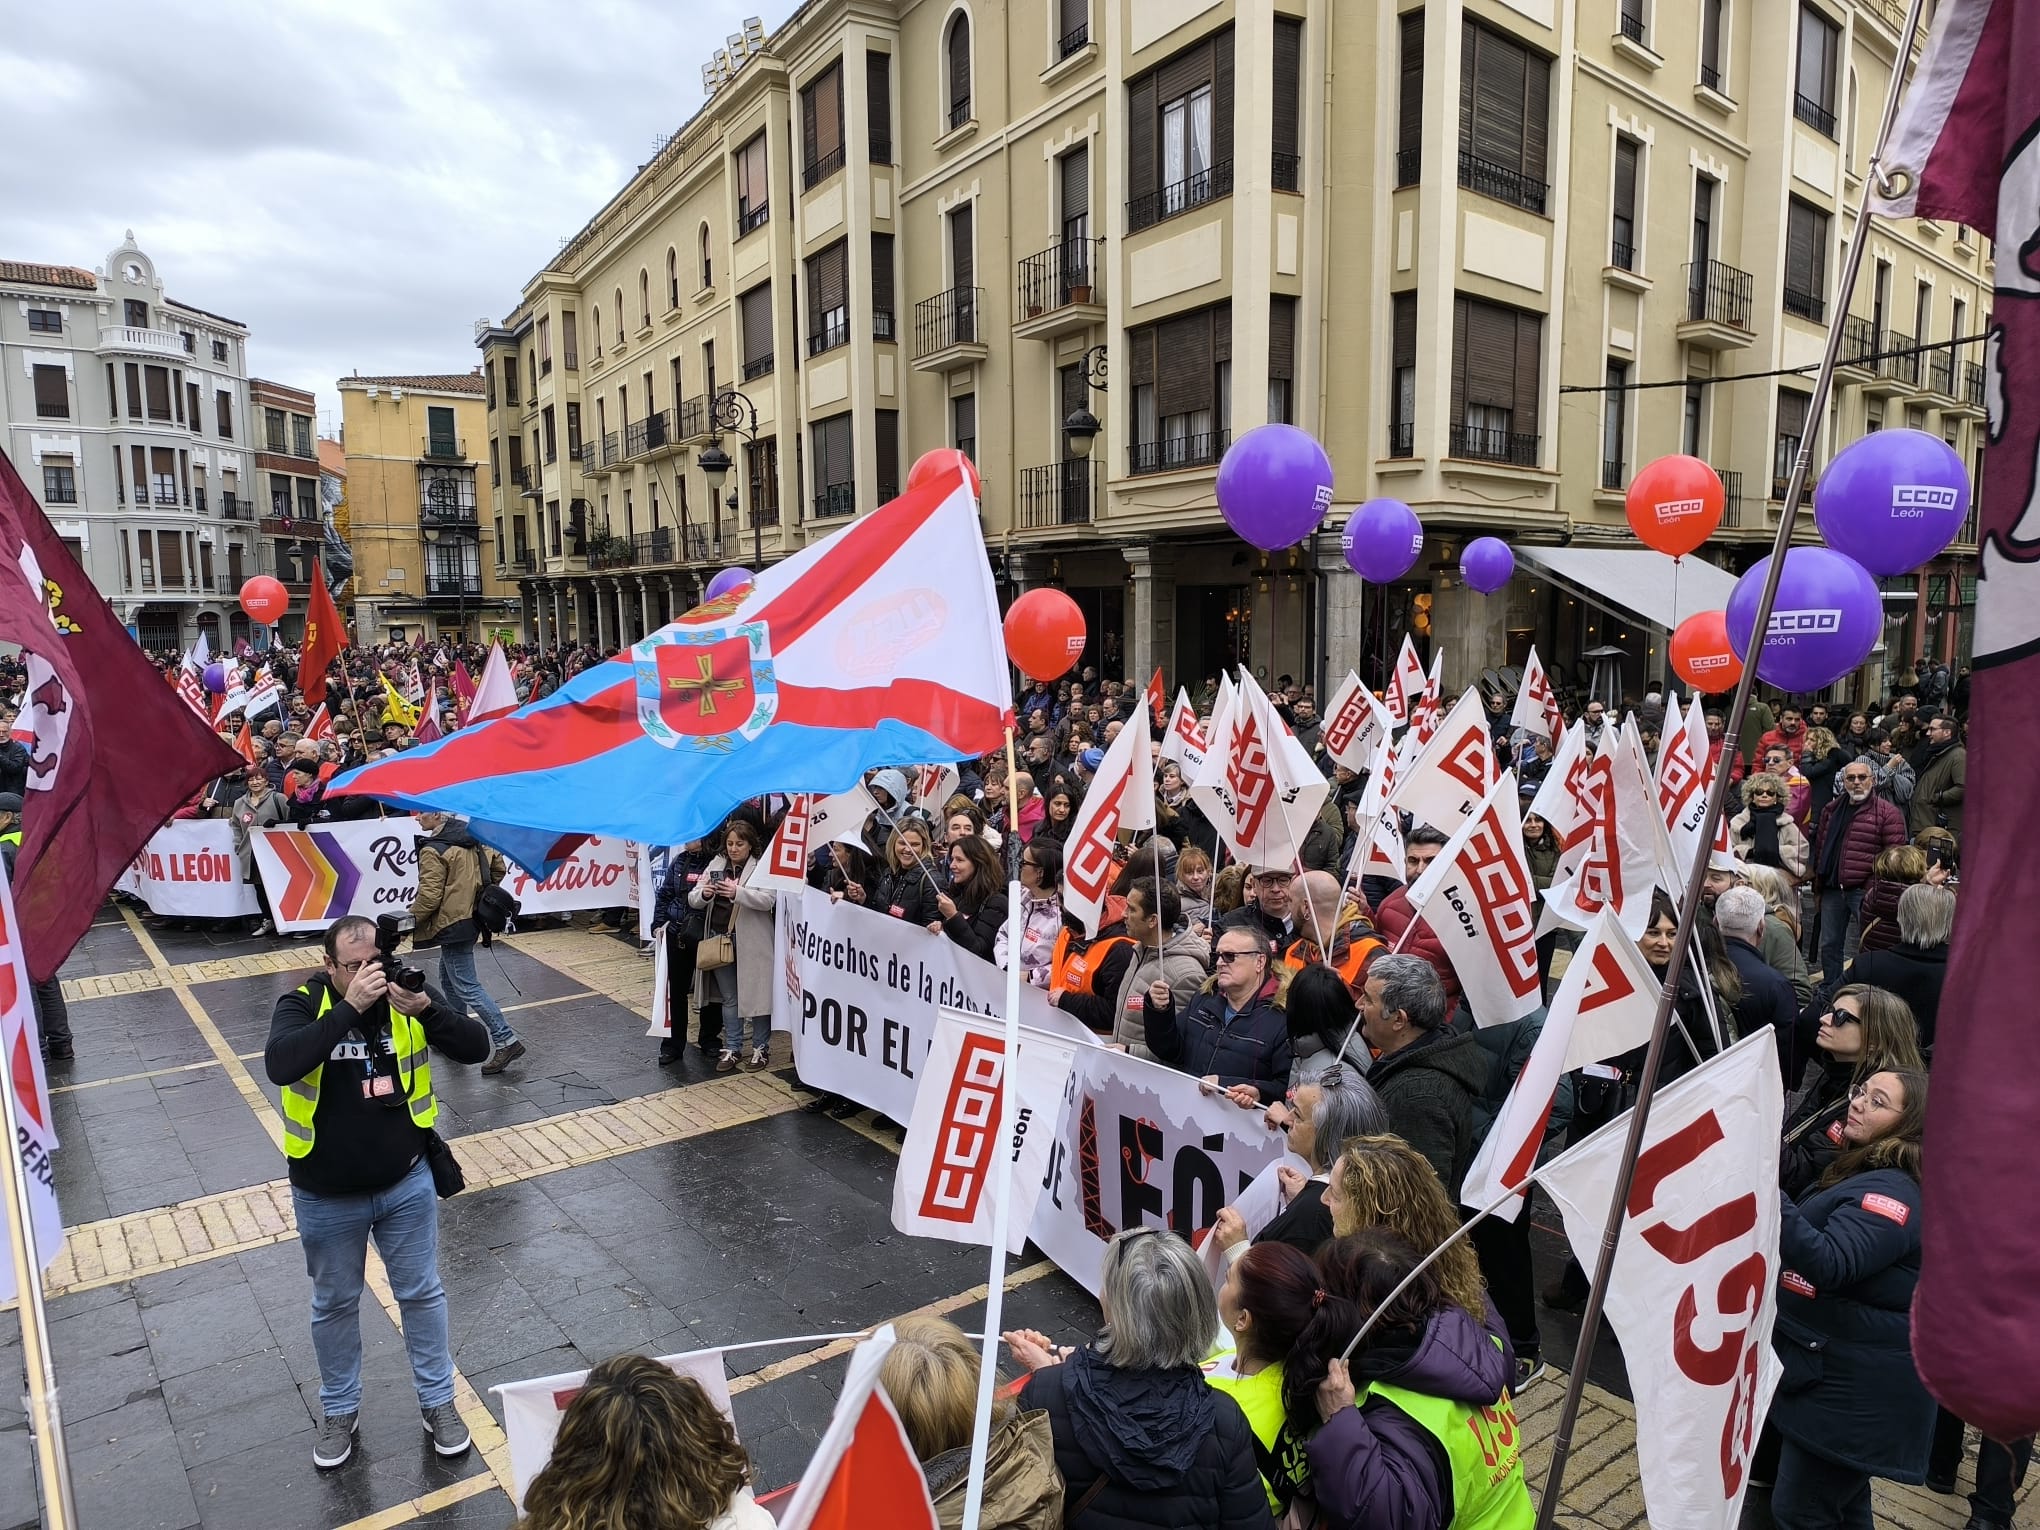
(1645, 583)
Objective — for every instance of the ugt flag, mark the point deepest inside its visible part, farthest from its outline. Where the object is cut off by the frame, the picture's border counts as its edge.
(879, 645)
(1966, 148)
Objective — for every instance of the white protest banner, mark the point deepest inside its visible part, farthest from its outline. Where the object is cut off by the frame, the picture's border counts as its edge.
(1185, 742)
(951, 1153)
(532, 1410)
(596, 875)
(1694, 1290)
(315, 876)
(187, 869)
(22, 1072)
(861, 992)
(1479, 901)
(662, 1014)
(1258, 1205)
(1453, 771)
(1355, 722)
(1141, 1145)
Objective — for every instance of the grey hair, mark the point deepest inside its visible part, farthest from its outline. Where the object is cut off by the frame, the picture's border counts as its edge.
(1410, 984)
(1347, 1107)
(1160, 1309)
(1926, 915)
(1740, 911)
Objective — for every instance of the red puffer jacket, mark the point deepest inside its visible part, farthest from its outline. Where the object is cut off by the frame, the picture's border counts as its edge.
(1393, 917)
(1878, 825)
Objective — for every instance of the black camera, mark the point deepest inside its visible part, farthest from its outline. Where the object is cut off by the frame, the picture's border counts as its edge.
(389, 934)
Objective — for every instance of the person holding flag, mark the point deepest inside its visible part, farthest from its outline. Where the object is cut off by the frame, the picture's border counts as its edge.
(52, 1015)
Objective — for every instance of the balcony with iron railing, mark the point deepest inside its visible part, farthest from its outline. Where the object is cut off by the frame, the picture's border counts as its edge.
(67, 494)
(695, 544)
(1972, 384)
(831, 329)
(1805, 304)
(1402, 438)
(1059, 289)
(1941, 373)
(611, 450)
(959, 112)
(525, 562)
(1816, 115)
(1480, 443)
(1194, 190)
(1287, 171)
(234, 508)
(1895, 367)
(1718, 302)
(822, 167)
(1613, 473)
(1731, 496)
(1631, 24)
(1075, 40)
(1065, 493)
(652, 547)
(1176, 453)
(1859, 343)
(1409, 166)
(435, 449)
(1505, 183)
(949, 328)
(653, 433)
(691, 420)
(455, 512)
(835, 499)
(609, 552)
(453, 586)
(1622, 254)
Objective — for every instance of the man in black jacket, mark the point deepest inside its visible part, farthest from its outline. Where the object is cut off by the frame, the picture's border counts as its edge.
(1427, 1074)
(349, 1050)
(1767, 996)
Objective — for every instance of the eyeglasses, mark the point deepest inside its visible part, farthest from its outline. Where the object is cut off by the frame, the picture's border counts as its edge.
(1220, 958)
(346, 969)
(1761, 796)
(1875, 1099)
(1857, 780)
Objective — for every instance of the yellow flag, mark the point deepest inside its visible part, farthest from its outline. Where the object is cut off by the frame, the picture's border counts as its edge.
(395, 708)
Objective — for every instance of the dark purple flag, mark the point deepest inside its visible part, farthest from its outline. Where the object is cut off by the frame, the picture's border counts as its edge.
(1969, 138)
(116, 751)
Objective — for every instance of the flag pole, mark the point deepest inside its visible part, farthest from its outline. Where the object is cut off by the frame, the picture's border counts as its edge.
(1002, 1181)
(1717, 796)
(45, 1414)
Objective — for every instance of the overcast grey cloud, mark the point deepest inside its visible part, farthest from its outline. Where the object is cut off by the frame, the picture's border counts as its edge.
(358, 182)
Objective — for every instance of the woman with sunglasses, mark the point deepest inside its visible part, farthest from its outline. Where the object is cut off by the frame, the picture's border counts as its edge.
(1764, 833)
(1851, 1405)
(1864, 1030)
(1041, 910)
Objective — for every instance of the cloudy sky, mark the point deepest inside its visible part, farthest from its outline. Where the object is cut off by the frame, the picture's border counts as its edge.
(358, 182)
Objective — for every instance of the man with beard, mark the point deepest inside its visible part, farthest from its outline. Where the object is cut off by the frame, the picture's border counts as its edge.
(1853, 829)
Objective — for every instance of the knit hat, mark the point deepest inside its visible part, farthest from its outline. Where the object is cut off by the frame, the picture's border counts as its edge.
(1091, 759)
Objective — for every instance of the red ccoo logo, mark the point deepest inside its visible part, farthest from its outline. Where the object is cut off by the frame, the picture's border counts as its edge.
(966, 1137)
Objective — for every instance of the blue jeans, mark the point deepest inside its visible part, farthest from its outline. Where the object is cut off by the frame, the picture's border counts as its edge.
(1839, 909)
(464, 986)
(733, 1023)
(335, 1229)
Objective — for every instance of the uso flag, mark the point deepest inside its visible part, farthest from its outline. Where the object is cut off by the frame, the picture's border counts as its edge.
(879, 645)
(1966, 148)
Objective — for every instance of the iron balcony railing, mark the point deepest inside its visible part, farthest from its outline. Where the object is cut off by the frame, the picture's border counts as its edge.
(1077, 38)
(823, 166)
(694, 544)
(750, 218)
(831, 330)
(1402, 439)
(649, 547)
(691, 418)
(452, 586)
(1632, 26)
(610, 449)
(1622, 254)
(1482, 444)
(433, 449)
(524, 562)
(1897, 359)
(1731, 495)
(757, 366)
(1409, 166)
(1060, 493)
(1805, 304)
(835, 499)
(947, 319)
(1287, 170)
(1941, 373)
(1718, 293)
(1972, 383)
(1060, 275)
(613, 553)
(233, 508)
(1504, 183)
(1859, 341)
(1167, 456)
(1816, 116)
(1206, 185)
(647, 435)
(1612, 474)
(959, 113)
(1710, 76)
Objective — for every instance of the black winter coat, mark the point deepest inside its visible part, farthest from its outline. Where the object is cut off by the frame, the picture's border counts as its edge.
(1172, 1453)
(1250, 1048)
(1915, 974)
(978, 932)
(1767, 999)
(1850, 1257)
(909, 894)
(1429, 1088)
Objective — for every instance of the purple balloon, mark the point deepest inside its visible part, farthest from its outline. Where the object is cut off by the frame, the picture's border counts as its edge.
(1381, 540)
(1487, 564)
(1824, 623)
(729, 579)
(215, 677)
(1274, 486)
(1892, 500)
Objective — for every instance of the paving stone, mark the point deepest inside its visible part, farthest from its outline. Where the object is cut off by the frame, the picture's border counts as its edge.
(126, 1469)
(193, 1332)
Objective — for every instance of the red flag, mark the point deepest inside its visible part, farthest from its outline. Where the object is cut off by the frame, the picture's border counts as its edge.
(864, 1472)
(428, 729)
(325, 636)
(245, 743)
(1966, 149)
(463, 690)
(320, 727)
(114, 755)
(1158, 701)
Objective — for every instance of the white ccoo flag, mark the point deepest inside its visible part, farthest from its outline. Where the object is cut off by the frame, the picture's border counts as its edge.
(1682, 786)
(1185, 742)
(1121, 796)
(1536, 706)
(1258, 785)
(1620, 865)
(1354, 723)
(1452, 772)
(1479, 900)
(1405, 682)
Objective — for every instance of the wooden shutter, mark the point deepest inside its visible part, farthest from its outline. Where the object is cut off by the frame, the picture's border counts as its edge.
(959, 61)
(1536, 128)
(1140, 347)
(1222, 98)
(1491, 355)
(888, 452)
(1288, 82)
(1791, 413)
(1073, 174)
(1185, 359)
(52, 394)
(828, 282)
(1529, 372)
(878, 103)
(882, 273)
(1409, 138)
(1403, 349)
(829, 108)
(158, 381)
(1282, 338)
(1493, 100)
(1221, 332)
(1625, 181)
(1799, 246)
(1075, 16)
(757, 311)
(1143, 165)
(810, 126)
(962, 250)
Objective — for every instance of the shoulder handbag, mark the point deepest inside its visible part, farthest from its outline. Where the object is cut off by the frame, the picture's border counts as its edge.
(447, 1177)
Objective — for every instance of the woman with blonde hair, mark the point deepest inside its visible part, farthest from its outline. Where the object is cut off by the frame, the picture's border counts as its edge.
(1896, 868)
(931, 1376)
(1782, 931)
(1864, 1030)
(1382, 1181)
(642, 1447)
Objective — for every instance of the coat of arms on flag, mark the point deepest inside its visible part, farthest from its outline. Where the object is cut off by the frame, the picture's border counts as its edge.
(713, 685)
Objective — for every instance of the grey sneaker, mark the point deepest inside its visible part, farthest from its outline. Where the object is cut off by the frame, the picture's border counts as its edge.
(335, 1444)
(502, 1057)
(449, 1434)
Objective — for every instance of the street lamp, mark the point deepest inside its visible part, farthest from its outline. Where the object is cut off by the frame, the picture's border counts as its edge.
(1081, 429)
(732, 411)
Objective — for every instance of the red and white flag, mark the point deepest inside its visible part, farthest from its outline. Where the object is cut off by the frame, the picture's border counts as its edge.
(1122, 796)
(864, 1472)
(1453, 770)
(1430, 705)
(1258, 785)
(944, 1184)
(1682, 785)
(428, 730)
(462, 684)
(190, 680)
(1157, 699)
(1694, 1291)
(1184, 741)
(1354, 723)
(495, 694)
(1536, 706)
(1562, 798)
(1620, 866)
(1605, 1005)
(24, 1075)
(1378, 849)
(811, 822)
(1405, 682)
(319, 727)
(1478, 899)
(533, 1410)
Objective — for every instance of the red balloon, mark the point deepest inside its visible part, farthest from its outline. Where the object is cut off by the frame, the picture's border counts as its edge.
(941, 460)
(1701, 654)
(1675, 504)
(1045, 633)
(264, 599)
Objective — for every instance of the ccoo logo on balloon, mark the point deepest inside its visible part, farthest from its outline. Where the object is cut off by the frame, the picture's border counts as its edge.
(1914, 500)
(1788, 625)
(1673, 510)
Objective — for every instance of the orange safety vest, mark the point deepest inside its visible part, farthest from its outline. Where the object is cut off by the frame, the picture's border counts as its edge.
(1361, 945)
(1073, 971)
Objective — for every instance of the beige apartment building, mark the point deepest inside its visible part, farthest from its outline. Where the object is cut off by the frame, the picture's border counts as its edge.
(1496, 256)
